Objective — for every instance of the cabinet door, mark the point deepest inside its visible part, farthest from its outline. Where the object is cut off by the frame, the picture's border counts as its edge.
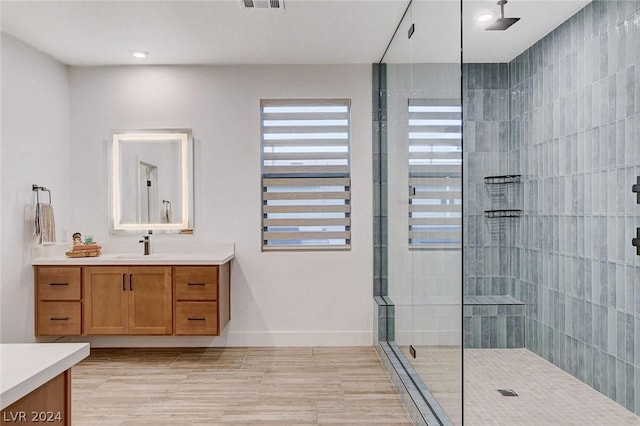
(150, 310)
(105, 300)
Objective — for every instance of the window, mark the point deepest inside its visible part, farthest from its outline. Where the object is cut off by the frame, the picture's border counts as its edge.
(306, 197)
(435, 169)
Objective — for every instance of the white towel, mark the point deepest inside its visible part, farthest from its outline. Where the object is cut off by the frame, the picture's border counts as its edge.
(45, 224)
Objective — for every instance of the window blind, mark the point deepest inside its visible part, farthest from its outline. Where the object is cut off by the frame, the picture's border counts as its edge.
(306, 187)
(435, 170)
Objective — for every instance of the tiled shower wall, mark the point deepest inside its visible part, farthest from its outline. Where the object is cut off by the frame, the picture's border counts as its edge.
(575, 138)
(575, 122)
(487, 242)
(486, 134)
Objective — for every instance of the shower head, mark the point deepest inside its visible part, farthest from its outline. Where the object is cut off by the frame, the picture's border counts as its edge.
(502, 23)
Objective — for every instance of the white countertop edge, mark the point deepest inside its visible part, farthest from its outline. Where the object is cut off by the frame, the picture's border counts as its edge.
(165, 260)
(25, 385)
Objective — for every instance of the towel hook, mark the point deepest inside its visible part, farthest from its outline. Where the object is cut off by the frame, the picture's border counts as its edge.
(35, 188)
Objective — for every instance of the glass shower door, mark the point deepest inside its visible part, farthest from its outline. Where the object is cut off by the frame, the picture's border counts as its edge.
(424, 197)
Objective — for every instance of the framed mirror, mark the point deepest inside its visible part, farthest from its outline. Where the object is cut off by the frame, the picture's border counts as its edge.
(151, 182)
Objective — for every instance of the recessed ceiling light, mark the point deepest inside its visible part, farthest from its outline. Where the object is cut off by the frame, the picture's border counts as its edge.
(484, 17)
(140, 54)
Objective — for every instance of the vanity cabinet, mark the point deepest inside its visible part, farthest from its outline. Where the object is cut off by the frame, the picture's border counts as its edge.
(201, 299)
(58, 301)
(127, 300)
(90, 300)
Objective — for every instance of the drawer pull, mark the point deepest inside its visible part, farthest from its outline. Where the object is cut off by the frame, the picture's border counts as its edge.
(58, 283)
(195, 283)
(196, 318)
(59, 319)
(123, 278)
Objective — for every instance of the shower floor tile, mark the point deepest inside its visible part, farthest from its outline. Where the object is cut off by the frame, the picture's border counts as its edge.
(546, 394)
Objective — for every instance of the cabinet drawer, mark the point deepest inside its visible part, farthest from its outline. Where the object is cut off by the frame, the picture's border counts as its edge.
(58, 318)
(58, 283)
(196, 283)
(197, 318)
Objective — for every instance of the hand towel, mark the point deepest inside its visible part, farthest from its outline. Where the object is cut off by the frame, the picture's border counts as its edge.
(45, 225)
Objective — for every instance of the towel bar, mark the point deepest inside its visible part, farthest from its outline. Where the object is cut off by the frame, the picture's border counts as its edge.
(37, 190)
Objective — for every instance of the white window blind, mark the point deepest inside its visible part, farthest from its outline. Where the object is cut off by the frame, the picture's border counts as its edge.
(306, 196)
(435, 170)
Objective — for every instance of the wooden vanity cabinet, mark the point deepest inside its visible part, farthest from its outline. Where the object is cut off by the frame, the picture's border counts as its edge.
(127, 300)
(132, 300)
(58, 301)
(201, 298)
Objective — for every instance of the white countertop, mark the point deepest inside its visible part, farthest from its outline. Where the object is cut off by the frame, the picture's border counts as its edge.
(25, 367)
(214, 257)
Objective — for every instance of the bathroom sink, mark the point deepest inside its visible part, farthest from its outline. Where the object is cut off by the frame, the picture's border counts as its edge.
(132, 256)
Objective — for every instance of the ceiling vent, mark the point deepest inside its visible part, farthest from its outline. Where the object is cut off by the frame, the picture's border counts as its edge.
(263, 4)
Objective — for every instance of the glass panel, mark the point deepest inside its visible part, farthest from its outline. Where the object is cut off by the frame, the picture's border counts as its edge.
(548, 205)
(424, 199)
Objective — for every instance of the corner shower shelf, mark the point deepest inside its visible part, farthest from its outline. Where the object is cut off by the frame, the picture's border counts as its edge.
(503, 196)
(503, 179)
(493, 214)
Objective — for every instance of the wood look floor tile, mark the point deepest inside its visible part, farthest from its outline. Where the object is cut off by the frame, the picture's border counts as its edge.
(178, 412)
(365, 413)
(271, 413)
(224, 386)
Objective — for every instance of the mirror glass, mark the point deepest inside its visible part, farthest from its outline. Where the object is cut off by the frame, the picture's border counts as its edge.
(152, 180)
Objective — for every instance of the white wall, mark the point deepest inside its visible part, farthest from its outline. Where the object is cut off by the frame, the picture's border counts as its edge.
(278, 298)
(35, 149)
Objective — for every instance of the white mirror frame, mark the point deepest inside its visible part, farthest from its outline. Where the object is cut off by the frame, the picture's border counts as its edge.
(186, 167)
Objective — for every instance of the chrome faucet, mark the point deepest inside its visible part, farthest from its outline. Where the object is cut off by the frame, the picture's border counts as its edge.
(147, 243)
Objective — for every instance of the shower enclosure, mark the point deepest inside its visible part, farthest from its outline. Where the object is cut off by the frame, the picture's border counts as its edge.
(418, 182)
(524, 235)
